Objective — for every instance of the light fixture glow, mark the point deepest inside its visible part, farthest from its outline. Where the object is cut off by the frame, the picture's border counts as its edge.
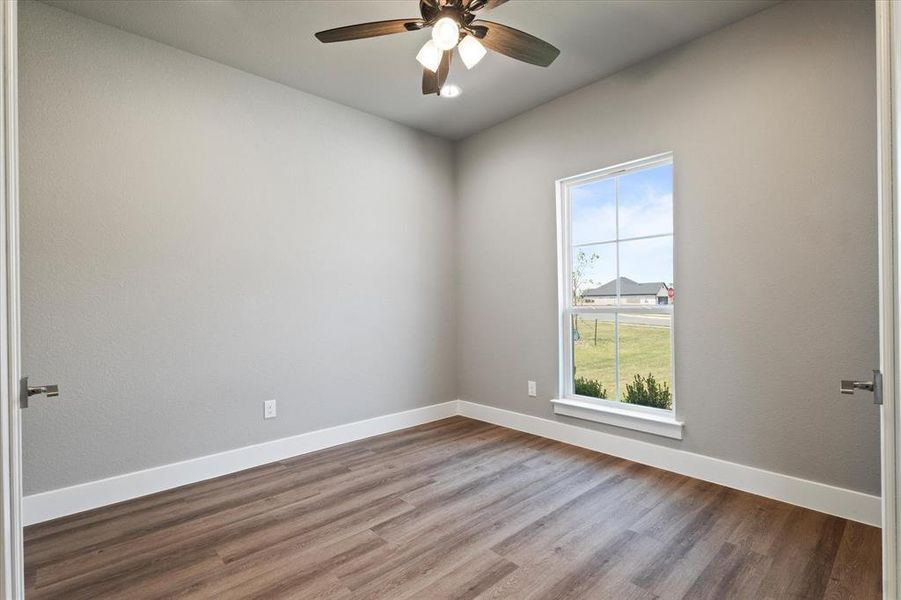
(471, 51)
(450, 91)
(429, 56)
(445, 33)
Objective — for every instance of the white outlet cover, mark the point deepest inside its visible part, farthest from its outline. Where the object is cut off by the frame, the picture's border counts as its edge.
(270, 410)
(533, 389)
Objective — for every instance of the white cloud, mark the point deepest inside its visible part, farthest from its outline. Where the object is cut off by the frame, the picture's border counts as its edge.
(643, 211)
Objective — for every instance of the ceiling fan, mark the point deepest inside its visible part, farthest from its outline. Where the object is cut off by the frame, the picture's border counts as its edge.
(454, 25)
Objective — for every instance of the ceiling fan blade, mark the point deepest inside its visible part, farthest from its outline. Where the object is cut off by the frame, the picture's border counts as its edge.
(517, 44)
(474, 5)
(444, 68)
(429, 9)
(368, 30)
(433, 82)
(429, 83)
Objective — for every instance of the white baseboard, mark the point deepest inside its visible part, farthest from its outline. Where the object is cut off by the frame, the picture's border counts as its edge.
(825, 498)
(837, 501)
(94, 494)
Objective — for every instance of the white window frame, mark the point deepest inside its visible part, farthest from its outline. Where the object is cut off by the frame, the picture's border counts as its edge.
(644, 418)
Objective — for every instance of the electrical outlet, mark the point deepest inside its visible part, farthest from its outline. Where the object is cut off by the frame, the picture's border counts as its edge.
(533, 389)
(269, 409)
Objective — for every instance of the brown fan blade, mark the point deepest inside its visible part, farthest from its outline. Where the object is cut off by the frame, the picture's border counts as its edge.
(474, 5)
(517, 44)
(368, 30)
(429, 82)
(429, 9)
(433, 82)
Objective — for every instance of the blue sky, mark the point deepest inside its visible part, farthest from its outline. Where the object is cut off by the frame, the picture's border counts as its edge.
(645, 208)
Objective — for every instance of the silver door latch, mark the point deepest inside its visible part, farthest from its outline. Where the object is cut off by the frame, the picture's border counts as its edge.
(849, 386)
(26, 391)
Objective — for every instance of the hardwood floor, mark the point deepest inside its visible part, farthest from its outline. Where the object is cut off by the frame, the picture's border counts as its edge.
(453, 509)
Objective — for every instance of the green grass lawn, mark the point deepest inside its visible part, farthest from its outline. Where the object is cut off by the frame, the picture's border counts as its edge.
(643, 349)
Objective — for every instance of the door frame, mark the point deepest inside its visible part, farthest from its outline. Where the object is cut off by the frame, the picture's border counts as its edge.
(12, 570)
(12, 567)
(888, 102)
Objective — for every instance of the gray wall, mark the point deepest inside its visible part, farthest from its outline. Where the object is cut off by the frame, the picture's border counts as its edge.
(772, 122)
(197, 240)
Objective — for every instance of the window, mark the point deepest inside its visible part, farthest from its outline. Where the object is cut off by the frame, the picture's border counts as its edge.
(617, 289)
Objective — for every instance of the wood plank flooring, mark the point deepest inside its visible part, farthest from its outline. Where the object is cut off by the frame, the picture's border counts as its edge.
(453, 509)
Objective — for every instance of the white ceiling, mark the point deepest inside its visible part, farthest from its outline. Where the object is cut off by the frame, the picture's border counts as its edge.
(274, 39)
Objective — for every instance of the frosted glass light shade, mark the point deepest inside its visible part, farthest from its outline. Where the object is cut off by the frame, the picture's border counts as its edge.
(445, 33)
(429, 56)
(450, 91)
(471, 51)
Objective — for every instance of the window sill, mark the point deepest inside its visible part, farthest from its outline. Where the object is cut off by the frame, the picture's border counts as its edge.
(662, 425)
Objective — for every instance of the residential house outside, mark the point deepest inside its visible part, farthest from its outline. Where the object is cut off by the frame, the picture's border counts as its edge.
(631, 292)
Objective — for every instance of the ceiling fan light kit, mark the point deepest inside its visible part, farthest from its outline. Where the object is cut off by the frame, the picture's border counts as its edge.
(429, 56)
(450, 91)
(445, 33)
(471, 51)
(454, 25)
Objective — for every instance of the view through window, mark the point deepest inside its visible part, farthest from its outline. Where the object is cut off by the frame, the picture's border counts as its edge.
(618, 315)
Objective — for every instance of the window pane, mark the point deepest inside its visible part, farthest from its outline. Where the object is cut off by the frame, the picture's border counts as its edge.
(646, 202)
(645, 360)
(646, 270)
(593, 207)
(594, 356)
(594, 272)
